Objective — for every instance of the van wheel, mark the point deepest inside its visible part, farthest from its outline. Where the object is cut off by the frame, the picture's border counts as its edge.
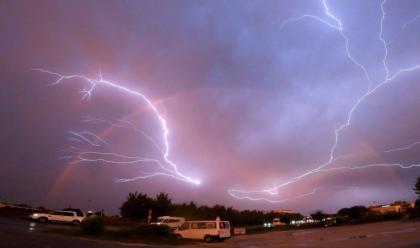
(75, 222)
(207, 238)
(178, 237)
(43, 220)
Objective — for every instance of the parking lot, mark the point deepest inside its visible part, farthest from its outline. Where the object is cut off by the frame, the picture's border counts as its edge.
(19, 233)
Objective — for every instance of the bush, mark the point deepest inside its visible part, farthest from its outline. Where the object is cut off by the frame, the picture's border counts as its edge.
(417, 209)
(153, 230)
(92, 225)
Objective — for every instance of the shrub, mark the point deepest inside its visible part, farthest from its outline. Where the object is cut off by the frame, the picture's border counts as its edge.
(92, 225)
(417, 209)
(153, 230)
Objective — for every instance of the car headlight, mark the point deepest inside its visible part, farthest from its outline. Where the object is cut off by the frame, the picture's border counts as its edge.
(267, 224)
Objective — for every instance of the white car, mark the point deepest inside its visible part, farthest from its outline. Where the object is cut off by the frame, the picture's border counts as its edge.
(205, 230)
(58, 216)
(277, 222)
(172, 222)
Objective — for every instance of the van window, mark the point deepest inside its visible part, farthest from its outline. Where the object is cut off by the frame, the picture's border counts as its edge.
(211, 225)
(203, 225)
(224, 225)
(199, 225)
(173, 221)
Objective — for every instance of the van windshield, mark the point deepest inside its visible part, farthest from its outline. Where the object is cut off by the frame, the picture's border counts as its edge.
(185, 226)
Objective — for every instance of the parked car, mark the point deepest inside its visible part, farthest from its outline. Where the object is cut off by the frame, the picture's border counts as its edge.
(277, 222)
(171, 221)
(58, 216)
(207, 230)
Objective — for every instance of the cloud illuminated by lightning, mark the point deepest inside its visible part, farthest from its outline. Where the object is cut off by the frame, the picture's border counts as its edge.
(337, 25)
(168, 168)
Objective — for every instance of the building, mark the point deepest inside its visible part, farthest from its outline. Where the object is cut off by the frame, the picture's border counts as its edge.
(282, 211)
(396, 207)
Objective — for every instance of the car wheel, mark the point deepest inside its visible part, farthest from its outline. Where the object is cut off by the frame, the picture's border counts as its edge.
(43, 220)
(178, 237)
(75, 222)
(207, 238)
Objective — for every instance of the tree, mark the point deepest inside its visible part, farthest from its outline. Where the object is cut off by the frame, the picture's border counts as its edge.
(355, 212)
(287, 218)
(318, 215)
(162, 205)
(416, 187)
(344, 212)
(136, 206)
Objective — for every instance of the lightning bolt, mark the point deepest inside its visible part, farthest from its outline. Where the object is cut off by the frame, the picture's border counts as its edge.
(84, 136)
(168, 167)
(404, 147)
(404, 27)
(124, 124)
(245, 196)
(337, 25)
(381, 38)
(401, 166)
(312, 192)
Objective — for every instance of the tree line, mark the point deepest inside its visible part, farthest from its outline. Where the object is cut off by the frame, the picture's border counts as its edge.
(137, 206)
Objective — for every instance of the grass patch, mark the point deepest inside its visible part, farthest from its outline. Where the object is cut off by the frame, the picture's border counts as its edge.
(92, 225)
(125, 235)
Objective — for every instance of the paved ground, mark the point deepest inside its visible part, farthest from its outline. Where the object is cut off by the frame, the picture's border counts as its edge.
(382, 234)
(16, 233)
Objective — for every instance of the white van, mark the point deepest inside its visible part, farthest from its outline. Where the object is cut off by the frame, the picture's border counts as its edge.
(171, 221)
(207, 230)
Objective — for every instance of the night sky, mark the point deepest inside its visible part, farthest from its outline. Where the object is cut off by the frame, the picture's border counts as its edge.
(252, 93)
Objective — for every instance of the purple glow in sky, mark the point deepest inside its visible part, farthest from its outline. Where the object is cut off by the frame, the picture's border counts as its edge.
(269, 104)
